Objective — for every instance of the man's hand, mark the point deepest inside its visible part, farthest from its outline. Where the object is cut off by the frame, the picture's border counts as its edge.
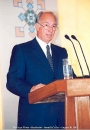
(37, 87)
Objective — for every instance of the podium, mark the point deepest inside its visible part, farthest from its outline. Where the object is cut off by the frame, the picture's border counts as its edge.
(77, 102)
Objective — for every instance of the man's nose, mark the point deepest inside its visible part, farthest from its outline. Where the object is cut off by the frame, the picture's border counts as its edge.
(50, 28)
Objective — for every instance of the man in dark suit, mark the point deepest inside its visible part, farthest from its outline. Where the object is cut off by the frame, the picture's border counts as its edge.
(30, 69)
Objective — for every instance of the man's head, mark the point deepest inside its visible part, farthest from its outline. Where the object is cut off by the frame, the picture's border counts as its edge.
(46, 25)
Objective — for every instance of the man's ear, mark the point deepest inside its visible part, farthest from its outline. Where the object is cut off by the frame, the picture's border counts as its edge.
(37, 26)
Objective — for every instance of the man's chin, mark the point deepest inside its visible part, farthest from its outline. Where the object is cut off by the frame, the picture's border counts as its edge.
(49, 39)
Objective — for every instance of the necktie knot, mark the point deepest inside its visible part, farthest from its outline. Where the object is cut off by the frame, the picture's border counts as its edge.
(48, 48)
(49, 57)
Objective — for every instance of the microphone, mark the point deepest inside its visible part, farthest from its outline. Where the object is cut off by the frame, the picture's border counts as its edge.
(82, 53)
(67, 37)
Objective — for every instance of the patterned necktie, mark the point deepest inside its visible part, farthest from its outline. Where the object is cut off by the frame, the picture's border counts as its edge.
(49, 57)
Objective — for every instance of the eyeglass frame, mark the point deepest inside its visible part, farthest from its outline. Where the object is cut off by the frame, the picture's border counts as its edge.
(49, 26)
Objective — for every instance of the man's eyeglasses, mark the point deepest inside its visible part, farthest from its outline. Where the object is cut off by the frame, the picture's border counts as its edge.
(47, 26)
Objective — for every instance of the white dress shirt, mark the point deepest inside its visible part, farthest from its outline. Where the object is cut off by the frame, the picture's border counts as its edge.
(43, 45)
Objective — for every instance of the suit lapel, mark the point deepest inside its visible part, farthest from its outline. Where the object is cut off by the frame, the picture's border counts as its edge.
(55, 57)
(38, 52)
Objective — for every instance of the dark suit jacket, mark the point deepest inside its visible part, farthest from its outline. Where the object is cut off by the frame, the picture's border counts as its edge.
(28, 67)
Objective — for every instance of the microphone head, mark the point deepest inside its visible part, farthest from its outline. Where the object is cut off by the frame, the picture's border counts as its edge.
(67, 37)
(73, 37)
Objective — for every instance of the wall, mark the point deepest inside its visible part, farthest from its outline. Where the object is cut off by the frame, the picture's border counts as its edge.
(74, 19)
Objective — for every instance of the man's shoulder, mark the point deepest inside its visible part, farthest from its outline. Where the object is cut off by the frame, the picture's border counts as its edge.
(25, 44)
(58, 48)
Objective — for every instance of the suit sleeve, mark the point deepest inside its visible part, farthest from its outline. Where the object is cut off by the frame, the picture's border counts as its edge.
(16, 75)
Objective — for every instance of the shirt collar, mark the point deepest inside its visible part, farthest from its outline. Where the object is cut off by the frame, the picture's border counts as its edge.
(42, 43)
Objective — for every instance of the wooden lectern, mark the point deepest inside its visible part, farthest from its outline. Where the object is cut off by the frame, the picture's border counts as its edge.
(77, 102)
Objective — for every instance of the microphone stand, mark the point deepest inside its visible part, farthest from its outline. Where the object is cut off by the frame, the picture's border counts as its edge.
(67, 37)
(82, 52)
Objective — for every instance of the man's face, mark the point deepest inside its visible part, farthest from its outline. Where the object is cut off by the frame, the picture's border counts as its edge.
(46, 28)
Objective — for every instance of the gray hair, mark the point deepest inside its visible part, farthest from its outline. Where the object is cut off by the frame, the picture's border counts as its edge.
(42, 12)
